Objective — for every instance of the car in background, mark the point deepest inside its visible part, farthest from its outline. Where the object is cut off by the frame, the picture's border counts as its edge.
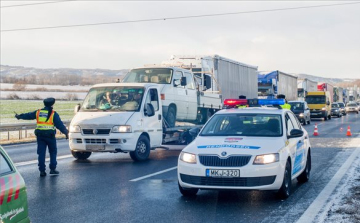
(352, 107)
(13, 195)
(358, 104)
(301, 110)
(335, 110)
(342, 108)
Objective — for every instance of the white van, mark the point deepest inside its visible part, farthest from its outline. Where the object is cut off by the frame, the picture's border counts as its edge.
(117, 117)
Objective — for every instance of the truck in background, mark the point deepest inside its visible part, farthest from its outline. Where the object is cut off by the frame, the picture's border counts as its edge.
(327, 87)
(271, 84)
(338, 94)
(304, 86)
(319, 103)
(181, 97)
(228, 77)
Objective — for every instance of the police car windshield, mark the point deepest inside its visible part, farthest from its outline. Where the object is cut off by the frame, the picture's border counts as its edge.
(113, 99)
(260, 125)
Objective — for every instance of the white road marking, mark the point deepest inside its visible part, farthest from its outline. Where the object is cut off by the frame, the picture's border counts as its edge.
(35, 161)
(153, 174)
(311, 212)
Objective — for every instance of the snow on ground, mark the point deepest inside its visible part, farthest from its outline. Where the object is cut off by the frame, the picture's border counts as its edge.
(62, 87)
(41, 94)
(344, 205)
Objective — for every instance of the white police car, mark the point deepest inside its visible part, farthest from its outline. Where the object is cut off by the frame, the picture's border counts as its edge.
(255, 148)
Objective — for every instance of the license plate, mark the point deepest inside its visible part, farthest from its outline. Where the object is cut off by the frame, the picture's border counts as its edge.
(95, 147)
(222, 173)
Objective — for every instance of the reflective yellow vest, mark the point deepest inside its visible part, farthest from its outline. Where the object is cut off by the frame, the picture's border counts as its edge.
(41, 116)
(286, 106)
(242, 106)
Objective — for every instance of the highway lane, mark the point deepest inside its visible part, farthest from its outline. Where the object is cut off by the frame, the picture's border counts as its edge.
(100, 190)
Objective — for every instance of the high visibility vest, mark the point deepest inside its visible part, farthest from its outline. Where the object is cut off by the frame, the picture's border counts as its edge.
(286, 106)
(41, 116)
(242, 106)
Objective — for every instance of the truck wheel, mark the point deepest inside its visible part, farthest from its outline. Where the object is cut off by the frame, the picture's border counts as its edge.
(329, 117)
(188, 192)
(205, 114)
(142, 149)
(81, 155)
(305, 175)
(285, 189)
(325, 118)
(171, 117)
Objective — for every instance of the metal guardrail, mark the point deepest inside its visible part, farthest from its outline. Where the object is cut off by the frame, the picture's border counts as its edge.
(21, 127)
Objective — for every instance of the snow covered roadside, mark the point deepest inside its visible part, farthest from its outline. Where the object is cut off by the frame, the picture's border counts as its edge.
(344, 205)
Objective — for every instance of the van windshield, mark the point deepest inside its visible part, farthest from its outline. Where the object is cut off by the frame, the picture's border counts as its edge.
(113, 99)
(149, 75)
(315, 99)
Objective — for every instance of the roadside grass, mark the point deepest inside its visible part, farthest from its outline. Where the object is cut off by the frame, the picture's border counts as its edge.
(7, 107)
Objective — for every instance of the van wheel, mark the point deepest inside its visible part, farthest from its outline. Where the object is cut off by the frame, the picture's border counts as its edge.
(329, 117)
(171, 117)
(188, 192)
(81, 155)
(325, 118)
(305, 175)
(285, 189)
(142, 149)
(309, 122)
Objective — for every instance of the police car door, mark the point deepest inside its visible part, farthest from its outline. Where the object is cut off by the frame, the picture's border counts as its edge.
(296, 144)
(153, 124)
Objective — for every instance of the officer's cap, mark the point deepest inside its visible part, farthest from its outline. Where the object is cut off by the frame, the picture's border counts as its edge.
(48, 102)
(242, 97)
(281, 96)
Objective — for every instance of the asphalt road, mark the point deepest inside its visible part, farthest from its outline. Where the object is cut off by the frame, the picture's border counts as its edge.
(100, 189)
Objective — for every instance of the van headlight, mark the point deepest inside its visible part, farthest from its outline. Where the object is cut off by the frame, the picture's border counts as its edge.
(188, 157)
(266, 158)
(75, 128)
(324, 108)
(121, 128)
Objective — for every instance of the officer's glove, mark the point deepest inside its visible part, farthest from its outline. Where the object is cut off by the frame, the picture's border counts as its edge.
(17, 116)
(67, 136)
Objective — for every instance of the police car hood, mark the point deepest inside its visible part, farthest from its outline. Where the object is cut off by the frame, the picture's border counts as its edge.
(235, 145)
(104, 119)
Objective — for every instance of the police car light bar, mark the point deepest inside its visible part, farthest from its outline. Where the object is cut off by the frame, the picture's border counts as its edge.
(234, 102)
(271, 101)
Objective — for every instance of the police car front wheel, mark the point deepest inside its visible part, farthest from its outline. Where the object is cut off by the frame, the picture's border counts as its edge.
(188, 192)
(284, 191)
(81, 155)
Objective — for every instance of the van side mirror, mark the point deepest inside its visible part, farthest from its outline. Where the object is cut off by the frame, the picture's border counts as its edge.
(207, 81)
(194, 132)
(149, 110)
(176, 82)
(77, 108)
(183, 81)
(295, 133)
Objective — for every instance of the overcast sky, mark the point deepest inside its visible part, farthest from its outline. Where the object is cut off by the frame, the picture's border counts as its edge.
(318, 41)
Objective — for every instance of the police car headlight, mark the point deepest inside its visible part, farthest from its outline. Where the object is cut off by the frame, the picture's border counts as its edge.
(75, 128)
(267, 158)
(301, 114)
(121, 128)
(188, 157)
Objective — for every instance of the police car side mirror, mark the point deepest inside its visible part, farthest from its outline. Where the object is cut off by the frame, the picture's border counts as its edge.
(77, 108)
(295, 133)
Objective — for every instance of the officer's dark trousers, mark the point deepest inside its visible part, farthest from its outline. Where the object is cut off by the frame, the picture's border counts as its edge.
(42, 143)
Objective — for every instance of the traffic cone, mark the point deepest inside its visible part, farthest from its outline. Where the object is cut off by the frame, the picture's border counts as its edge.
(316, 130)
(348, 133)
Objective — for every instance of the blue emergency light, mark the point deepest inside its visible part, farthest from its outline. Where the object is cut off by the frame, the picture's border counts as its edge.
(271, 101)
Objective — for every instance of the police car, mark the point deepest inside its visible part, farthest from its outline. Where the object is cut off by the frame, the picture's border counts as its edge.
(13, 196)
(254, 148)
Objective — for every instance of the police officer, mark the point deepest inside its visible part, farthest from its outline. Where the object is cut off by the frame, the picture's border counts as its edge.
(286, 105)
(47, 120)
(242, 97)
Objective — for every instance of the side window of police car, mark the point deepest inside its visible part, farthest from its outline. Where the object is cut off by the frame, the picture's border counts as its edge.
(289, 124)
(4, 166)
(295, 121)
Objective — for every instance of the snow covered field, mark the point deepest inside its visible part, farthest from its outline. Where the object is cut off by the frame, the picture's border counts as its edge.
(41, 94)
(62, 87)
